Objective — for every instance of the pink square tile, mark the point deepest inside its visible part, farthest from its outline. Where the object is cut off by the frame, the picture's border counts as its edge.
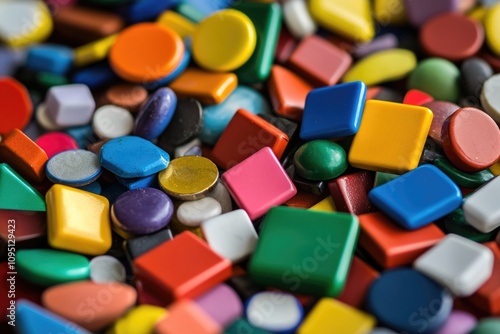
(258, 183)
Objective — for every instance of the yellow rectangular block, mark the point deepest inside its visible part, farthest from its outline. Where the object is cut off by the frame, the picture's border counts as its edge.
(391, 137)
(206, 87)
(177, 23)
(325, 205)
(93, 52)
(332, 316)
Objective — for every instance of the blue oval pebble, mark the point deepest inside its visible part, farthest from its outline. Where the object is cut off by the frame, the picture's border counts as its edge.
(216, 117)
(408, 301)
(156, 114)
(131, 156)
(142, 211)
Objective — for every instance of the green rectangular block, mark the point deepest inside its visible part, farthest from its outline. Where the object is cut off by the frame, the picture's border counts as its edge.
(266, 18)
(305, 251)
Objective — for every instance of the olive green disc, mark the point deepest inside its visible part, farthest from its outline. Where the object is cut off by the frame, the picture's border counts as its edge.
(189, 178)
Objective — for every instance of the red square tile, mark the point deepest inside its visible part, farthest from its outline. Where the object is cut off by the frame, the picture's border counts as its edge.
(320, 61)
(183, 267)
(245, 134)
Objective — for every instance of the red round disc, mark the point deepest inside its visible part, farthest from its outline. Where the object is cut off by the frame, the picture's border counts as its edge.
(471, 140)
(15, 105)
(451, 36)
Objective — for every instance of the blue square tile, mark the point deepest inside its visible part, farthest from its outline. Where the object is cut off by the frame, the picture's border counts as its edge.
(333, 111)
(418, 197)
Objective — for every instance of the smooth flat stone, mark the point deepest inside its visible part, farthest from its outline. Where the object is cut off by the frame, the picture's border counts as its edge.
(297, 19)
(58, 266)
(231, 235)
(474, 72)
(437, 77)
(110, 121)
(192, 213)
(379, 43)
(222, 196)
(397, 295)
(490, 100)
(459, 322)
(421, 11)
(156, 114)
(142, 211)
(74, 168)
(16, 193)
(463, 179)
(132, 156)
(382, 66)
(185, 125)
(105, 268)
(285, 316)
(441, 110)
(90, 305)
(32, 318)
(217, 117)
(459, 264)
(222, 304)
(137, 246)
(309, 165)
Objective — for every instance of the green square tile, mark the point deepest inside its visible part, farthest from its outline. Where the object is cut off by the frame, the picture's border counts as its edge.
(305, 251)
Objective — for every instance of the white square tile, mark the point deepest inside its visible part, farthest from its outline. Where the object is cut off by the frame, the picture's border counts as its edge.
(482, 208)
(457, 263)
(231, 235)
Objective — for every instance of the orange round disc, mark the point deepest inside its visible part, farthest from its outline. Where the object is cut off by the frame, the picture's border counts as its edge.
(146, 52)
(15, 105)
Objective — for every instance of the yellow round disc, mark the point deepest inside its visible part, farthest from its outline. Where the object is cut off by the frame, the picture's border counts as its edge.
(189, 178)
(492, 27)
(224, 41)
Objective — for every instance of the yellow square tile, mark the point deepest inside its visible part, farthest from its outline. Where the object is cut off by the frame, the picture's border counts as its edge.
(391, 137)
(325, 205)
(332, 316)
(77, 220)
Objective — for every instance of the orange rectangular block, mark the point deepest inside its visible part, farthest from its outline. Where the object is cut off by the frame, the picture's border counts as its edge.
(246, 134)
(183, 267)
(392, 246)
(487, 298)
(24, 155)
(206, 87)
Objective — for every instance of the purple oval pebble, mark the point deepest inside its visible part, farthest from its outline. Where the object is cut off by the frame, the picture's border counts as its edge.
(441, 111)
(142, 211)
(380, 43)
(458, 322)
(156, 114)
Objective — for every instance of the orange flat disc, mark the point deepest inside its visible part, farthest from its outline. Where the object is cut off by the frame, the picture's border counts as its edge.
(15, 105)
(146, 52)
